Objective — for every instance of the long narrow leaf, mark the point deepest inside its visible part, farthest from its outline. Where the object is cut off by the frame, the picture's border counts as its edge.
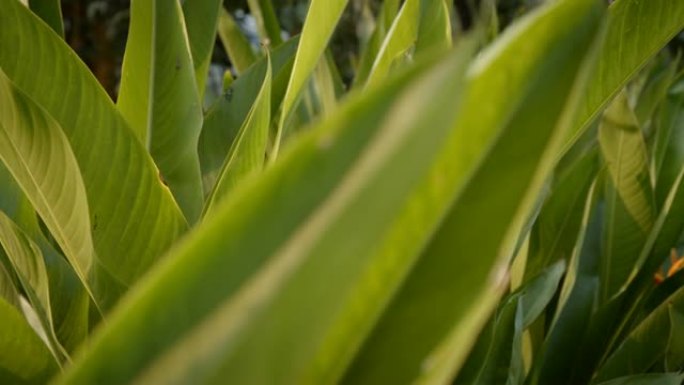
(201, 19)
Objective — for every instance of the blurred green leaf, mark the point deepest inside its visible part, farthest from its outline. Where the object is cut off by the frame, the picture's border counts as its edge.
(385, 18)
(648, 379)
(159, 97)
(50, 11)
(267, 22)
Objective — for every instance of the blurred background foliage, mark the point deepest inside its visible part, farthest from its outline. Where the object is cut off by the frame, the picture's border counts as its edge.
(97, 30)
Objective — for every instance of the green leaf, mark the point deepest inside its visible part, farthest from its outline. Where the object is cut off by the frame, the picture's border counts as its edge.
(555, 231)
(133, 216)
(519, 125)
(159, 97)
(227, 115)
(248, 150)
(400, 38)
(637, 30)
(388, 12)
(649, 342)
(371, 156)
(24, 358)
(51, 13)
(668, 149)
(320, 23)
(434, 30)
(630, 205)
(37, 154)
(266, 20)
(201, 19)
(27, 262)
(8, 292)
(654, 92)
(235, 43)
(648, 379)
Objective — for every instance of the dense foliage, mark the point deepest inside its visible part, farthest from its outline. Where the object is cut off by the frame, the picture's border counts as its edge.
(498, 205)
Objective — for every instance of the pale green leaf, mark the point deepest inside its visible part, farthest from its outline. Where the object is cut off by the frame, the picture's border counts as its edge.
(320, 23)
(37, 154)
(133, 216)
(201, 19)
(159, 97)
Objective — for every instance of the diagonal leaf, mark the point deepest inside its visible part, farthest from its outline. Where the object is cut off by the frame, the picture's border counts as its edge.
(237, 46)
(434, 30)
(159, 97)
(630, 206)
(388, 12)
(133, 216)
(433, 327)
(284, 202)
(24, 358)
(248, 150)
(201, 19)
(31, 145)
(320, 23)
(637, 30)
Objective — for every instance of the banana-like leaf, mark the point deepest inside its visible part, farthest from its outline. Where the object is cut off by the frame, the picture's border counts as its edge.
(24, 358)
(400, 38)
(68, 299)
(267, 22)
(8, 291)
(315, 195)
(554, 233)
(648, 379)
(133, 216)
(655, 338)
(159, 97)
(637, 30)
(227, 115)
(654, 91)
(385, 18)
(27, 262)
(630, 205)
(37, 154)
(433, 327)
(51, 13)
(201, 19)
(248, 151)
(235, 43)
(319, 25)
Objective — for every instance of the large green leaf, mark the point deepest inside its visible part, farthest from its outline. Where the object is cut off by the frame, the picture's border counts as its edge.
(449, 294)
(315, 194)
(630, 205)
(27, 262)
(24, 358)
(237, 46)
(133, 216)
(637, 30)
(320, 23)
(248, 151)
(650, 342)
(201, 19)
(37, 154)
(159, 97)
